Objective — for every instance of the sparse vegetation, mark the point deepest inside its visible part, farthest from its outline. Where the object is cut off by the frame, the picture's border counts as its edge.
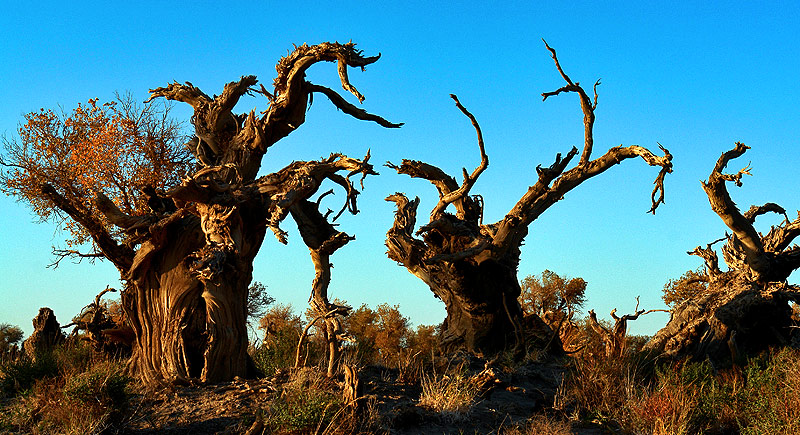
(638, 395)
(63, 391)
(307, 403)
(183, 223)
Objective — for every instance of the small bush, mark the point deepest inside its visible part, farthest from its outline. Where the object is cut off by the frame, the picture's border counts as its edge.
(541, 425)
(276, 354)
(103, 387)
(308, 402)
(19, 376)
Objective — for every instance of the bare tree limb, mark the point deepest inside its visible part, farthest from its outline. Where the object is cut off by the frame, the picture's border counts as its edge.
(186, 93)
(541, 195)
(350, 109)
(121, 256)
(723, 205)
(469, 179)
(780, 237)
(586, 105)
(770, 207)
(61, 254)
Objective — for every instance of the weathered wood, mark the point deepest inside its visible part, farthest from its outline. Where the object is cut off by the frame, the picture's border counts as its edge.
(472, 266)
(351, 387)
(105, 334)
(615, 338)
(46, 334)
(745, 309)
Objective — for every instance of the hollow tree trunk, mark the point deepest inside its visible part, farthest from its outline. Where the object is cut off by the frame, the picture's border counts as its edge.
(188, 309)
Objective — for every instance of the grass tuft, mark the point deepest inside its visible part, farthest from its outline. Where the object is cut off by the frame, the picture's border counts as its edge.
(451, 395)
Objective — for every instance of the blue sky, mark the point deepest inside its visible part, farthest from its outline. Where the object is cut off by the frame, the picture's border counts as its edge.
(694, 77)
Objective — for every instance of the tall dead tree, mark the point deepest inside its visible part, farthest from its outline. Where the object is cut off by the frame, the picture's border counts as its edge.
(472, 266)
(189, 260)
(745, 309)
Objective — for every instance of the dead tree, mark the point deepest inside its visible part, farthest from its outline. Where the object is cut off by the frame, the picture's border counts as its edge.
(615, 338)
(745, 309)
(323, 240)
(189, 260)
(472, 266)
(104, 333)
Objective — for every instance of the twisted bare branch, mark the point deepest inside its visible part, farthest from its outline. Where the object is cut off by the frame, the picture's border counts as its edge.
(469, 179)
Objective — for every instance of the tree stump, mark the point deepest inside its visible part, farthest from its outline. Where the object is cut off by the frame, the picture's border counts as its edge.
(46, 334)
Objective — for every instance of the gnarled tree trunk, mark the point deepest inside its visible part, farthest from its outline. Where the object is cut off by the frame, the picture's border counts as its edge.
(472, 266)
(187, 282)
(745, 309)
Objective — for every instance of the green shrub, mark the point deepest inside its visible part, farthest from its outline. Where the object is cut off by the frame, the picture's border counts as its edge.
(74, 356)
(104, 386)
(19, 376)
(308, 402)
(276, 354)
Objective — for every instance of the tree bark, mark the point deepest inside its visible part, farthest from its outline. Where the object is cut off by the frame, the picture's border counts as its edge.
(472, 266)
(744, 310)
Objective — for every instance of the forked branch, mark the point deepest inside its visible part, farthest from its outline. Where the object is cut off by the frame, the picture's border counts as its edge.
(587, 105)
(120, 255)
(710, 257)
(469, 179)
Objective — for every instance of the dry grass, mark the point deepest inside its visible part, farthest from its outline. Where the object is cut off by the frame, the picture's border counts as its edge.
(310, 402)
(73, 396)
(541, 425)
(688, 398)
(452, 395)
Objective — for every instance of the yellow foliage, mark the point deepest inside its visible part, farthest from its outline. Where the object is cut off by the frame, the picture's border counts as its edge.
(115, 148)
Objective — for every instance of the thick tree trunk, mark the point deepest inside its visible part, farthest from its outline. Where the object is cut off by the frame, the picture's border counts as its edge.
(735, 318)
(189, 311)
(483, 314)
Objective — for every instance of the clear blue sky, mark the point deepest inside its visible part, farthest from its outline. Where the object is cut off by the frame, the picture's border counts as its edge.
(693, 76)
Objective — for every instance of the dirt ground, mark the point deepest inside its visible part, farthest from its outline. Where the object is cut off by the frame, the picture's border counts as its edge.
(510, 398)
